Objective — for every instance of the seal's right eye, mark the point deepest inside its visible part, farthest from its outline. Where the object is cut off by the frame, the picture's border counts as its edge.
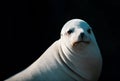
(70, 31)
(89, 31)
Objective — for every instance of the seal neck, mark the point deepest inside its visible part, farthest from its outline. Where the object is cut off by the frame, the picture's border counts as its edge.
(82, 62)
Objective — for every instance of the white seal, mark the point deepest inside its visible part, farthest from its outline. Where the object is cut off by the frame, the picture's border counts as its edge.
(74, 57)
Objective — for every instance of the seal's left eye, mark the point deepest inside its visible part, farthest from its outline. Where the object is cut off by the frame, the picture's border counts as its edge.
(89, 31)
(70, 31)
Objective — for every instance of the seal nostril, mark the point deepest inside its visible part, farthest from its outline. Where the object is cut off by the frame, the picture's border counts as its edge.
(82, 35)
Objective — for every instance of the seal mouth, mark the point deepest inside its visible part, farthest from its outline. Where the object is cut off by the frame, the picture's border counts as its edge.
(78, 42)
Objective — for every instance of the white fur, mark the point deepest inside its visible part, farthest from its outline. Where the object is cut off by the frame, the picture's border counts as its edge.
(66, 60)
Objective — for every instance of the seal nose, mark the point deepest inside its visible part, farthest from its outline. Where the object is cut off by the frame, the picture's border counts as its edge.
(82, 35)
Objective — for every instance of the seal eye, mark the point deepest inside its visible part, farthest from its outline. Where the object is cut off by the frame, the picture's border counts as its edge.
(70, 31)
(89, 31)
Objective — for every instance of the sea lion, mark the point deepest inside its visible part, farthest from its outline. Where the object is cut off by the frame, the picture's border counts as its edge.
(74, 57)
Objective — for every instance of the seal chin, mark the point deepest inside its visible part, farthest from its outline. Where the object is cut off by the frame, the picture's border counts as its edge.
(80, 42)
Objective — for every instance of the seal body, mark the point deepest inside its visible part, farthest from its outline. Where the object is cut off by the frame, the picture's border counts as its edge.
(74, 57)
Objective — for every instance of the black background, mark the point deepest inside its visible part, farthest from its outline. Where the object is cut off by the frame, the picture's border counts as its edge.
(32, 26)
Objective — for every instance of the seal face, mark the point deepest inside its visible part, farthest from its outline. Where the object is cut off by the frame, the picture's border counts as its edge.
(77, 32)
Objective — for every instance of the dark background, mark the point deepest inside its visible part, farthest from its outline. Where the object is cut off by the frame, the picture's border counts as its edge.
(32, 26)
